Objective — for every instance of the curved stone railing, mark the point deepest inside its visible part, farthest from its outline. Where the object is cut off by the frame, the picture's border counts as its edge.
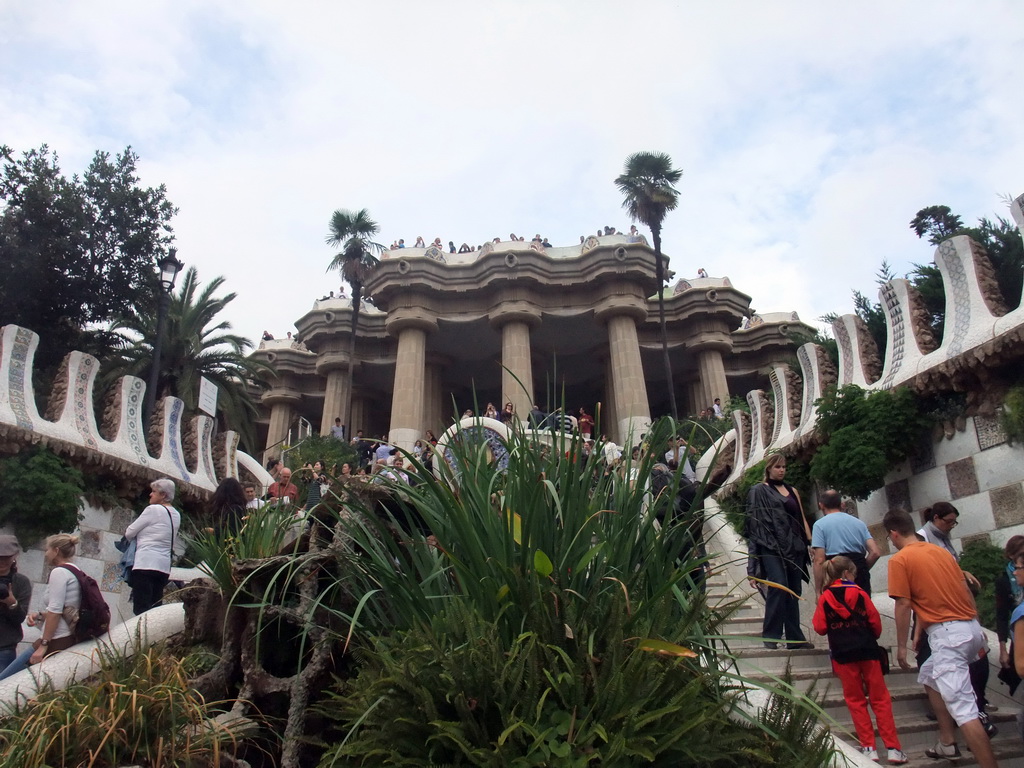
(82, 660)
(185, 451)
(976, 320)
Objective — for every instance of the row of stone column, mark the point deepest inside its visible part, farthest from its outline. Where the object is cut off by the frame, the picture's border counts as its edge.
(417, 398)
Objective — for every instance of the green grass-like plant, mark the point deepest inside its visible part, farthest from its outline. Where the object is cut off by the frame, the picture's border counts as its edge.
(137, 710)
(264, 534)
(553, 616)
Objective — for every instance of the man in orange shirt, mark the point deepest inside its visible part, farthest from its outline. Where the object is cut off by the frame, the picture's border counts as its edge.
(927, 580)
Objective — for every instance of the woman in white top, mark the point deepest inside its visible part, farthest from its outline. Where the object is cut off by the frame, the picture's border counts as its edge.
(62, 591)
(154, 531)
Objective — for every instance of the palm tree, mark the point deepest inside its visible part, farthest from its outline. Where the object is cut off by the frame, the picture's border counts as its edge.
(352, 230)
(646, 184)
(195, 346)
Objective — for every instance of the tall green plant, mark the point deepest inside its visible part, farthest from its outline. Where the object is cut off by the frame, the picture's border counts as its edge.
(551, 617)
(648, 194)
(196, 345)
(264, 534)
(139, 709)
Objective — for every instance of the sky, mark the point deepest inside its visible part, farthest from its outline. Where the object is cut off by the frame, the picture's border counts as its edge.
(809, 133)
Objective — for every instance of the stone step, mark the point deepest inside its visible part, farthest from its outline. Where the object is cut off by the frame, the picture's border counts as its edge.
(918, 734)
(1008, 754)
(753, 661)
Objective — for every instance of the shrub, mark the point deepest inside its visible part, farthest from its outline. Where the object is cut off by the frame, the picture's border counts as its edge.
(1013, 414)
(40, 494)
(866, 434)
(986, 561)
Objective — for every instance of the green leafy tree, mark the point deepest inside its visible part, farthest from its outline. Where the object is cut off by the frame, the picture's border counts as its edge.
(938, 222)
(866, 435)
(195, 345)
(40, 495)
(80, 251)
(353, 231)
(1001, 240)
(647, 188)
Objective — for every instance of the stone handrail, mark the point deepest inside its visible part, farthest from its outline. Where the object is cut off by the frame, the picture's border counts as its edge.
(187, 452)
(976, 324)
(82, 660)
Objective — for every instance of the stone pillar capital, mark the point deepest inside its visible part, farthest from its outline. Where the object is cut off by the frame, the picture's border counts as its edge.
(515, 312)
(331, 361)
(281, 397)
(410, 317)
(624, 305)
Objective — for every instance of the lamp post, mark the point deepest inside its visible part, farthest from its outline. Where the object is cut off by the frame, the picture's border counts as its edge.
(169, 269)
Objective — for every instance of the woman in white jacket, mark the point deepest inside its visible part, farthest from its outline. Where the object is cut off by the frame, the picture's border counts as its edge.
(154, 532)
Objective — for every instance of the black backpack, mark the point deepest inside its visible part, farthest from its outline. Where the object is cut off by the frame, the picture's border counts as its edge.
(93, 611)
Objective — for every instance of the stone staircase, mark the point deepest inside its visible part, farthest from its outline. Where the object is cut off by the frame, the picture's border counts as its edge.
(741, 633)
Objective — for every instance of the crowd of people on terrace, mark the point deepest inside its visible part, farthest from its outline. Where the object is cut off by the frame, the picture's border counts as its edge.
(537, 240)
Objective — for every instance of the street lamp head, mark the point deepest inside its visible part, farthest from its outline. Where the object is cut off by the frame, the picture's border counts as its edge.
(169, 269)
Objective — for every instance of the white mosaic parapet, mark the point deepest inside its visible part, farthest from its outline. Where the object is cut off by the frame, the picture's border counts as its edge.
(741, 433)
(970, 321)
(785, 420)
(903, 355)
(975, 316)
(82, 660)
(76, 424)
(851, 334)
(758, 404)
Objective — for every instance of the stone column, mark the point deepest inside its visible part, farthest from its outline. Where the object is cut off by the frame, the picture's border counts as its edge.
(410, 377)
(358, 417)
(282, 412)
(434, 398)
(632, 411)
(334, 400)
(607, 423)
(695, 397)
(514, 319)
(712, 377)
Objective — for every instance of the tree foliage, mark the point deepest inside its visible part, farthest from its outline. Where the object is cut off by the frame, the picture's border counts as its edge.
(866, 435)
(648, 195)
(79, 251)
(1001, 240)
(40, 495)
(353, 231)
(196, 345)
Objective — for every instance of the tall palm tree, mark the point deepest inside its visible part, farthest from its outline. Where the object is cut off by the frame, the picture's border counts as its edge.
(646, 184)
(353, 230)
(195, 345)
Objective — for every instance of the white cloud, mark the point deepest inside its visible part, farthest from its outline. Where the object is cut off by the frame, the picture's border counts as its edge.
(809, 134)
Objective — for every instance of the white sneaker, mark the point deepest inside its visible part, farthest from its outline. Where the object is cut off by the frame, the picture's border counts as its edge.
(870, 753)
(897, 756)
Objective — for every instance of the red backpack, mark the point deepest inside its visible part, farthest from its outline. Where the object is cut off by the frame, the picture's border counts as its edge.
(93, 611)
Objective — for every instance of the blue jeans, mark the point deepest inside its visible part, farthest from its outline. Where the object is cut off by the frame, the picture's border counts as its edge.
(781, 609)
(7, 656)
(20, 663)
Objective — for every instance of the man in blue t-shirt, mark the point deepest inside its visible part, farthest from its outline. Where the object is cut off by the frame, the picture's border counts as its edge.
(838, 533)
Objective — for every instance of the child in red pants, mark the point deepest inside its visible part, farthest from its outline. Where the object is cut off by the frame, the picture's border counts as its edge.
(846, 614)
